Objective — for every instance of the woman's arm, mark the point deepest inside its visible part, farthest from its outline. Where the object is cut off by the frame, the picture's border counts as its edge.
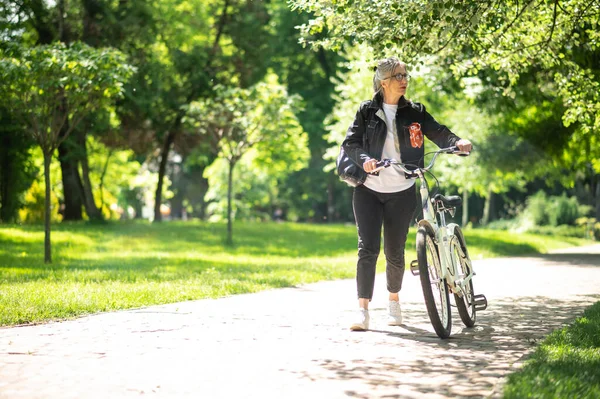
(441, 135)
(354, 142)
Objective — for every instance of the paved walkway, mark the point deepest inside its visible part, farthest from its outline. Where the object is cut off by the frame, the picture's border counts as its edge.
(295, 343)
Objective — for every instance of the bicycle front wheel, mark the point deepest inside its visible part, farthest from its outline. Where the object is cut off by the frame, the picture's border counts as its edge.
(460, 256)
(435, 289)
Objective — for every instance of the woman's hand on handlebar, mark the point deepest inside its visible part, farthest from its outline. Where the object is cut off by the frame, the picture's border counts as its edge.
(370, 165)
(464, 145)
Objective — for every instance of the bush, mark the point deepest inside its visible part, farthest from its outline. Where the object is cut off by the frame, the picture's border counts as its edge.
(563, 210)
(591, 227)
(537, 208)
(545, 210)
(562, 231)
(503, 224)
(552, 215)
(33, 211)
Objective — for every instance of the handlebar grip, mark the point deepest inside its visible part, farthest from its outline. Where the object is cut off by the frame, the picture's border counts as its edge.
(380, 165)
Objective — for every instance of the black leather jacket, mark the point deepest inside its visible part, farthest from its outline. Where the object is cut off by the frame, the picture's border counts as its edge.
(366, 136)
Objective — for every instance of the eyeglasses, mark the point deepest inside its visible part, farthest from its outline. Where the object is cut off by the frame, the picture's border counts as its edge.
(400, 77)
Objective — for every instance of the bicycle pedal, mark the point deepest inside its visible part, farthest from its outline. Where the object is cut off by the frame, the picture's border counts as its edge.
(480, 302)
(414, 267)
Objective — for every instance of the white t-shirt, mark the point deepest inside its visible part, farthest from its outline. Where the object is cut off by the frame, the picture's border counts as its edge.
(390, 180)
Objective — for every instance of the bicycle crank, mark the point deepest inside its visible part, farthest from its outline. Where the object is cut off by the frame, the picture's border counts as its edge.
(480, 302)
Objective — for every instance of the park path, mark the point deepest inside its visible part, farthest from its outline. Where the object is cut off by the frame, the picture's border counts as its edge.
(295, 342)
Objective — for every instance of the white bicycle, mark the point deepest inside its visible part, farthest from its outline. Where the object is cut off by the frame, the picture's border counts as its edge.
(443, 262)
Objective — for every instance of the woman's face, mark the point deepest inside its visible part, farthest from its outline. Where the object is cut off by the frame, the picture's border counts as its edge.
(393, 86)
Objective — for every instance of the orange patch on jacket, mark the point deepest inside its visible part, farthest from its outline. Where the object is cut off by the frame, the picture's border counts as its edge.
(416, 135)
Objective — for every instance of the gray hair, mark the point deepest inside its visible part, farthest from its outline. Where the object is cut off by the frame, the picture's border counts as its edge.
(384, 70)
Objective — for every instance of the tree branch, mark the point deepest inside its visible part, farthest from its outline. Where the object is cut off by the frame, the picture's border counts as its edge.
(220, 28)
(553, 23)
(507, 27)
(583, 12)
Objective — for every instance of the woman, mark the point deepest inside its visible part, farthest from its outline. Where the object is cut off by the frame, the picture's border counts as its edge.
(388, 126)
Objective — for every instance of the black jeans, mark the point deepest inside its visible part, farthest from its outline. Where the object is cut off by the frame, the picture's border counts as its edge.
(395, 211)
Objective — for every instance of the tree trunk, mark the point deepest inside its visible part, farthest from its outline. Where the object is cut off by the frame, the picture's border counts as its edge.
(200, 188)
(597, 195)
(89, 202)
(101, 183)
(162, 169)
(465, 213)
(61, 21)
(229, 205)
(5, 195)
(330, 199)
(177, 205)
(72, 186)
(180, 183)
(487, 209)
(47, 210)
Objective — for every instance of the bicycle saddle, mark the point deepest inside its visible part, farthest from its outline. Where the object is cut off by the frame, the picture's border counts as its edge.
(449, 202)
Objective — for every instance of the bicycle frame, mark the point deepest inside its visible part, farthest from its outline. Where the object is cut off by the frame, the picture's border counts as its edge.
(443, 236)
(443, 233)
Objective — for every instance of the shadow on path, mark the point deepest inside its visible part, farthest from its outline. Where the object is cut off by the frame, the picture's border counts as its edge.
(415, 362)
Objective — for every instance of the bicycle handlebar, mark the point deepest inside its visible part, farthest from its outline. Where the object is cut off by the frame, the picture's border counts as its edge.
(386, 163)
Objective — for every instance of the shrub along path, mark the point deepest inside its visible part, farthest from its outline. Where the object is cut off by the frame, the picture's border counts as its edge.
(295, 342)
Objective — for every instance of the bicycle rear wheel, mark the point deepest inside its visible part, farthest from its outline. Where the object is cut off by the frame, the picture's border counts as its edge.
(435, 289)
(460, 255)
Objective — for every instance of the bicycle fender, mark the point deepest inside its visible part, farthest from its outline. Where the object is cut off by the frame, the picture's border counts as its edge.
(452, 227)
(455, 230)
(427, 225)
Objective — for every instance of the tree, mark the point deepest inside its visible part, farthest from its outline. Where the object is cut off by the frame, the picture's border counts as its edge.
(16, 169)
(259, 121)
(39, 84)
(508, 37)
(505, 44)
(309, 74)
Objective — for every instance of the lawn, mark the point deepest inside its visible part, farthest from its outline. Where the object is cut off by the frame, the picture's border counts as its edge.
(132, 264)
(565, 365)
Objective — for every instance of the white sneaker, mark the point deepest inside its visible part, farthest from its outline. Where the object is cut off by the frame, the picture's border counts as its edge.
(395, 314)
(362, 320)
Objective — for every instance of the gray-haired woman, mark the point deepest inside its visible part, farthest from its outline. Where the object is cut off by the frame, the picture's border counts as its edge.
(394, 128)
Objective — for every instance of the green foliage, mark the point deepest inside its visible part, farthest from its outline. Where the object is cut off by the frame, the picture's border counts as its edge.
(545, 210)
(254, 195)
(508, 36)
(34, 207)
(565, 365)
(308, 193)
(16, 166)
(258, 123)
(564, 211)
(591, 226)
(353, 85)
(115, 171)
(48, 87)
(503, 43)
(32, 210)
(537, 207)
(551, 215)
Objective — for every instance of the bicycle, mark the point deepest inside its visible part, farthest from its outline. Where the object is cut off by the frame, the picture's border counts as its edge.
(443, 263)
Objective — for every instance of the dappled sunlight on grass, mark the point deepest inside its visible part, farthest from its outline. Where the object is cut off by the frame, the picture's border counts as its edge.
(99, 267)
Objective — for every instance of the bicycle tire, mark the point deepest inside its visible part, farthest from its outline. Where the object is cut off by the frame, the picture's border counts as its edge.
(464, 304)
(429, 272)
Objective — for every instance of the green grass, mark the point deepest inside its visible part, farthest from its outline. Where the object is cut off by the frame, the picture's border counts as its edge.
(132, 264)
(565, 365)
